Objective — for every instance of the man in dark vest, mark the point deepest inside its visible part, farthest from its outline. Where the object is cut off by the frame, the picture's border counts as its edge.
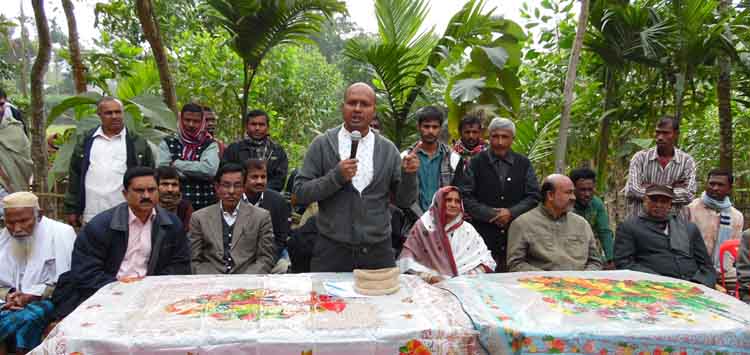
(498, 186)
(194, 154)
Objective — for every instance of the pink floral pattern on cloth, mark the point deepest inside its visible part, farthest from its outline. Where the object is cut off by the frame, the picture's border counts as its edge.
(252, 304)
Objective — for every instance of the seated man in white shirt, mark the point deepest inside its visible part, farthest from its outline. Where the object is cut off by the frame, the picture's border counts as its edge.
(34, 251)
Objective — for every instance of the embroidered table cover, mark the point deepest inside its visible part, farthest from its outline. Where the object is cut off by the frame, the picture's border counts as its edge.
(601, 313)
(274, 314)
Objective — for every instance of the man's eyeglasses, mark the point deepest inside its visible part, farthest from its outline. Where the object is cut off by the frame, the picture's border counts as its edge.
(229, 186)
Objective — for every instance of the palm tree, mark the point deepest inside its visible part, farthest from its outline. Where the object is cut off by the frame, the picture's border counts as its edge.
(621, 36)
(256, 26)
(697, 40)
(404, 61)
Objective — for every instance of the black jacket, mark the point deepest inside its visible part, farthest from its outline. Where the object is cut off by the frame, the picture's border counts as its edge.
(277, 163)
(100, 249)
(641, 245)
(281, 213)
(138, 154)
(510, 183)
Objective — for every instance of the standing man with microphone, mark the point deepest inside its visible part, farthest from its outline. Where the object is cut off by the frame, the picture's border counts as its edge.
(353, 194)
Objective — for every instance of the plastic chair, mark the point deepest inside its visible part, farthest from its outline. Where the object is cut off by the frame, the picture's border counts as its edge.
(732, 247)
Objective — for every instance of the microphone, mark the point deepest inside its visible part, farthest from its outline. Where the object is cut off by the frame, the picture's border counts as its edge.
(356, 136)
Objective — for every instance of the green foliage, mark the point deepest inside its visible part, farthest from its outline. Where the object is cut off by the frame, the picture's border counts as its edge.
(406, 62)
(489, 80)
(256, 26)
(331, 40)
(144, 112)
(117, 18)
(304, 91)
(115, 62)
(206, 71)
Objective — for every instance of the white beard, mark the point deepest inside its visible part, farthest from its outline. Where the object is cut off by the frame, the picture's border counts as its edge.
(21, 249)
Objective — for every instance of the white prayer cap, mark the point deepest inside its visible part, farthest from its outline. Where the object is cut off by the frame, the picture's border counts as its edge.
(20, 200)
(502, 123)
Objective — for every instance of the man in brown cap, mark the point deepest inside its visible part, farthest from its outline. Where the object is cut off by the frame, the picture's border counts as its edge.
(658, 242)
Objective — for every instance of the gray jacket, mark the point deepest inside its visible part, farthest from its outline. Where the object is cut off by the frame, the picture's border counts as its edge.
(252, 248)
(344, 215)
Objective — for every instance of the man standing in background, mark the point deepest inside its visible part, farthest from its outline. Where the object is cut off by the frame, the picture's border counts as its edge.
(99, 161)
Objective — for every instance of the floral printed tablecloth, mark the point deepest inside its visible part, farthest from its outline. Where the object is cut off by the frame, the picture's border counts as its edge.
(278, 314)
(601, 313)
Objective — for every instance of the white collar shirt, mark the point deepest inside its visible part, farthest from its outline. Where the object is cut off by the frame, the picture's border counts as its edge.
(107, 165)
(365, 156)
(230, 218)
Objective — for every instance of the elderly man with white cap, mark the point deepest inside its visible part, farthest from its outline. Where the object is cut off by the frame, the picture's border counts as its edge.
(499, 186)
(34, 251)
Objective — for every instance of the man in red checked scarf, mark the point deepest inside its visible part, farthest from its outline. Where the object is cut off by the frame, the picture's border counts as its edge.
(470, 144)
(194, 154)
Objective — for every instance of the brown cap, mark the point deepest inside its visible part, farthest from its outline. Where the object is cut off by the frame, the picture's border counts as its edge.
(660, 190)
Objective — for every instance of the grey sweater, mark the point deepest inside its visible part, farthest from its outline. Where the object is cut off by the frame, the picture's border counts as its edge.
(344, 215)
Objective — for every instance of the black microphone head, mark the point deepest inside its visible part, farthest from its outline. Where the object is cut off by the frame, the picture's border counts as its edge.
(356, 136)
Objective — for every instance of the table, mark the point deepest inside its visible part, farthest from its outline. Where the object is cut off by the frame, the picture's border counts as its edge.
(273, 314)
(601, 313)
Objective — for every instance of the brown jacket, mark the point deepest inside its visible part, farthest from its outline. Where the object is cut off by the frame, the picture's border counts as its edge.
(252, 249)
(537, 242)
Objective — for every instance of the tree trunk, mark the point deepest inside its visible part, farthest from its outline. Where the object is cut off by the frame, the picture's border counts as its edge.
(610, 102)
(38, 126)
(79, 77)
(570, 81)
(151, 31)
(724, 95)
(24, 55)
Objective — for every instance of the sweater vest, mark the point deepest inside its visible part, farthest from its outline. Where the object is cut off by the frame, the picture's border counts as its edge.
(200, 193)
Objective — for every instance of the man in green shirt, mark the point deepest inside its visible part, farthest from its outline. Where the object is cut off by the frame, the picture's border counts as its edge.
(592, 208)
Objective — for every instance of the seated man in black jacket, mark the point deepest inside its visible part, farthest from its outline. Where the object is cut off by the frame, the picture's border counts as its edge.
(257, 193)
(130, 241)
(659, 243)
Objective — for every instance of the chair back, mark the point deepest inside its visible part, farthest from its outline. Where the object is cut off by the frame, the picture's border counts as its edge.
(730, 247)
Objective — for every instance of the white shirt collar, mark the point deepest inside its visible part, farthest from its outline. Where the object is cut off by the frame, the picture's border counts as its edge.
(100, 133)
(234, 212)
(348, 134)
(257, 203)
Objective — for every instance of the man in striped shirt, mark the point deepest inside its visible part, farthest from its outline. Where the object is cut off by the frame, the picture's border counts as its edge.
(664, 164)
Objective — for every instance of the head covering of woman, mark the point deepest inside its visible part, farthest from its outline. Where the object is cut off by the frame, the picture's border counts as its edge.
(428, 242)
(192, 141)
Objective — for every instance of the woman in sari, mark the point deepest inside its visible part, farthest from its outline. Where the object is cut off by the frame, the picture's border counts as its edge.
(441, 245)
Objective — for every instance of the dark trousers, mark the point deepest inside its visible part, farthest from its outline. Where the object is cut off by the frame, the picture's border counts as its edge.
(333, 256)
(496, 240)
